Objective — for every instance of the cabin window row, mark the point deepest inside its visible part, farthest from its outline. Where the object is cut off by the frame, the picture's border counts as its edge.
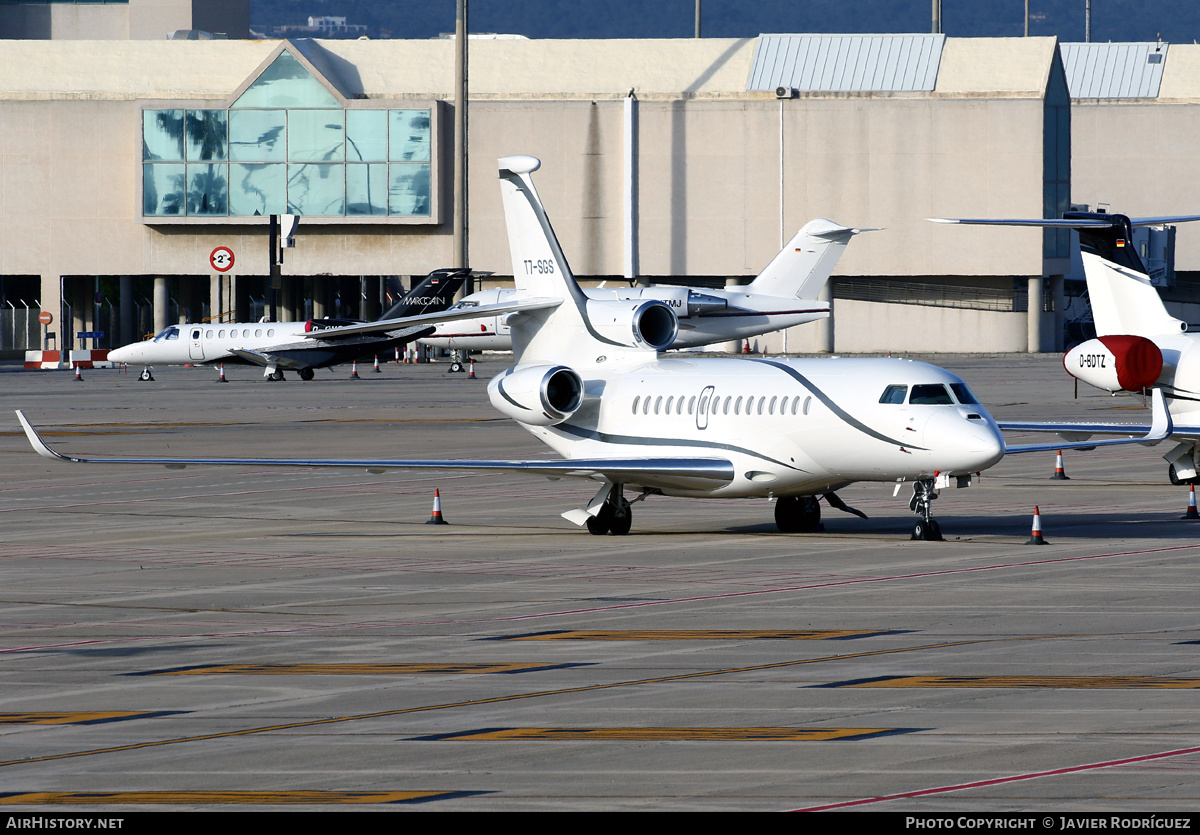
(740, 405)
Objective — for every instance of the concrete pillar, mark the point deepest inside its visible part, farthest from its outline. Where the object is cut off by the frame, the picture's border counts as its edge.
(824, 327)
(732, 283)
(162, 303)
(128, 326)
(320, 297)
(81, 308)
(51, 296)
(1034, 323)
(370, 297)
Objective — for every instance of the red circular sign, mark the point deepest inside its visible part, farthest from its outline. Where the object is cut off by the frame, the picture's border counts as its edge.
(45, 317)
(221, 259)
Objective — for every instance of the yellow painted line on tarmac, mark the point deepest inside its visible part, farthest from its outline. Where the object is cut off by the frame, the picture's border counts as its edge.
(353, 669)
(696, 634)
(1039, 682)
(214, 797)
(87, 717)
(514, 697)
(670, 734)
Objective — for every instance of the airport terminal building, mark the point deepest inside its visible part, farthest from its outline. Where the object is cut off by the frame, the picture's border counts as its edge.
(125, 164)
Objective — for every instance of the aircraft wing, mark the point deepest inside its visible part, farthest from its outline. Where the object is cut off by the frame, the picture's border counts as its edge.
(1161, 427)
(685, 473)
(450, 315)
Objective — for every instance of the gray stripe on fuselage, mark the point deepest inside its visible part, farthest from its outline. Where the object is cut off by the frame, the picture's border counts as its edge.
(833, 407)
(633, 440)
(504, 394)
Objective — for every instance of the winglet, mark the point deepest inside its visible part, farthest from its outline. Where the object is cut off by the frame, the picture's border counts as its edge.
(39, 446)
(1161, 425)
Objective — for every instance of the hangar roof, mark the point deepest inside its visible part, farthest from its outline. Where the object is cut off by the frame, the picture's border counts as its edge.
(1114, 70)
(389, 69)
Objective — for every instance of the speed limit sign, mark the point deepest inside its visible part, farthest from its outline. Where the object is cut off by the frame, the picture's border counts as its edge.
(221, 259)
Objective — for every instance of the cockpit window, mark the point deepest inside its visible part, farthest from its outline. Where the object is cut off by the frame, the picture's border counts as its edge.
(894, 394)
(932, 394)
(465, 305)
(170, 333)
(964, 394)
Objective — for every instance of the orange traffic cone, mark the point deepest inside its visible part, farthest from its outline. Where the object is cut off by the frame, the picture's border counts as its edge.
(471, 370)
(354, 371)
(377, 371)
(436, 518)
(1035, 538)
(78, 374)
(1191, 511)
(397, 356)
(221, 376)
(746, 347)
(1059, 473)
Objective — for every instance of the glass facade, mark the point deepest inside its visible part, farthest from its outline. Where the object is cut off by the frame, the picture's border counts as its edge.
(286, 145)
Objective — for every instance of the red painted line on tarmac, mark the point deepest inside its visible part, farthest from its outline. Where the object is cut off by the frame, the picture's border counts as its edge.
(999, 781)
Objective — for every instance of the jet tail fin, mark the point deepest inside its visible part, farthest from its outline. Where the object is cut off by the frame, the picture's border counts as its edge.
(434, 293)
(1122, 297)
(539, 268)
(802, 268)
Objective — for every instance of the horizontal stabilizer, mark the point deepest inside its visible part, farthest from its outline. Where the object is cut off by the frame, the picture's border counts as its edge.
(451, 315)
(1161, 427)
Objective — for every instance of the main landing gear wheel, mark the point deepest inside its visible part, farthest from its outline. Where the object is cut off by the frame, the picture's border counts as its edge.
(926, 529)
(147, 377)
(798, 514)
(615, 517)
(1176, 480)
(307, 374)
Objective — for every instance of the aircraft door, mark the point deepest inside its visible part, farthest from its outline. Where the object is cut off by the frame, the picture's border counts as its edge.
(196, 347)
(702, 407)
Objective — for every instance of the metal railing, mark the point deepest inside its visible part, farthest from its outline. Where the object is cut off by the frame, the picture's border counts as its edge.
(896, 291)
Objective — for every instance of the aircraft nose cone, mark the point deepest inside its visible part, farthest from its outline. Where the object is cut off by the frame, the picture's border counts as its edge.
(124, 354)
(962, 445)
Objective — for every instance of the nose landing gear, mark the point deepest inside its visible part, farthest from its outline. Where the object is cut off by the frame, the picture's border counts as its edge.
(926, 529)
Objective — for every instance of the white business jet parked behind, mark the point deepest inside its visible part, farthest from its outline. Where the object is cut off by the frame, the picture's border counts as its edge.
(782, 296)
(589, 383)
(1138, 344)
(291, 346)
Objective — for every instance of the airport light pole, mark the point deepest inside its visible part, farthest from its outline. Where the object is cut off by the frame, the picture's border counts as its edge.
(461, 257)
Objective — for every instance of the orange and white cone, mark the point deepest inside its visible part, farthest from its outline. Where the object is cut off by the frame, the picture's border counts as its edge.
(1059, 473)
(377, 371)
(221, 376)
(1191, 511)
(354, 371)
(78, 374)
(1035, 538)
(746, 347)
(471, 370)
(436, 518)
(397, 356)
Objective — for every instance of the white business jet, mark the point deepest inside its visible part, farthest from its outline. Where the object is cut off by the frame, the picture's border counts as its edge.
(291, 346)
(590, 384)
(1138, 344)
(782, 296)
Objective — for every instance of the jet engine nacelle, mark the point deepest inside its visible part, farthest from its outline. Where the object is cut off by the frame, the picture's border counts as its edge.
(539, 395)
(685, 303)
(634, 324)
(1116, 363)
